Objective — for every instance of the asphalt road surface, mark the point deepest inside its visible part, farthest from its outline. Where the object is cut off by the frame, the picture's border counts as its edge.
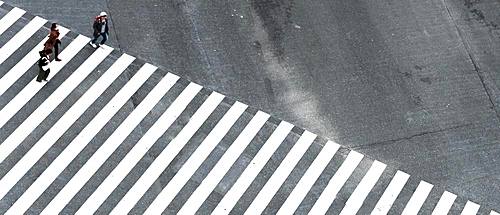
(414, 84)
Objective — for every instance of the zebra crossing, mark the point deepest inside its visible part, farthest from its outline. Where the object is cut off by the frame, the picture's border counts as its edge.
(110, 133)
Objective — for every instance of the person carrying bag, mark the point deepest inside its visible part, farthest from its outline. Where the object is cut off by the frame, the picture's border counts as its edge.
(43, 67)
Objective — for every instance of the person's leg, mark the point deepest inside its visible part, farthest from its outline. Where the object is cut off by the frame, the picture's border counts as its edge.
(46, 75)
(104, 38)
(56, 49)
(95, 38)
(39, 78)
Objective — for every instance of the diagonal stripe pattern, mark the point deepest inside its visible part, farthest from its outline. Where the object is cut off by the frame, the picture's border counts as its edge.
(270, 166)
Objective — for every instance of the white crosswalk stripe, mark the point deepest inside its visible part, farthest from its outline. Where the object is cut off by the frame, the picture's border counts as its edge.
(418, 198)
(307, 181)
(223, 165)
(24, 64)
(280, 174)
(253, 169)
(108, 147)
(63, 124)
(10, 18)
(444, 204)
(22, 36)
(164, 159)
(51, 103)
(33, 87)
(37, 151)
(140, 149)
(470, 208)
(336, 183)
(359, 195)
(192, 164)
(228, 187)
(390, 194)
(116, 103)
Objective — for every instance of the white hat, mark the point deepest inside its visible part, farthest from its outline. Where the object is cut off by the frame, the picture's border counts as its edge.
(103, 14)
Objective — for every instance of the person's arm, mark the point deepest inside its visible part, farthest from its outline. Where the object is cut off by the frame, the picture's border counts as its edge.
(95, 26)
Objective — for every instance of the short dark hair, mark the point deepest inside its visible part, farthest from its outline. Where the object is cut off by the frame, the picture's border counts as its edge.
(53, 26)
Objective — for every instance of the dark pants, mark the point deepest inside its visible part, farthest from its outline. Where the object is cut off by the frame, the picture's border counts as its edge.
(56, 48)
(42, 75)
(104, 38)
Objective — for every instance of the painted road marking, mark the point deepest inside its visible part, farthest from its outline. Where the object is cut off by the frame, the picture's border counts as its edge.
(224, 164)
(281, 173)
(336, 183)
(10, 18)
(24, 64)
(307, 181)
(60, 127)
(392, 191)
(113, 142)
(20, 38)
(201, 115)
(444, 204)
(208, 185)
(418, 198)
(139, 150)
(470, 208)
(364, 187)
(190, 166)
(253, 169)
(35, 118)
(33, 87)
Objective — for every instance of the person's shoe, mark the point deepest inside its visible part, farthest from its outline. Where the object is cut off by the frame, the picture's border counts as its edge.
(58, 59)
(92, 44)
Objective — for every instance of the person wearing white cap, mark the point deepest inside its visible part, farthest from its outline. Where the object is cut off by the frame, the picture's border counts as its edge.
(100, 29)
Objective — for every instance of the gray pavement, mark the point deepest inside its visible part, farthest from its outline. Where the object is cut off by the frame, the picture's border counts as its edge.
(412, 84)
(46, 168)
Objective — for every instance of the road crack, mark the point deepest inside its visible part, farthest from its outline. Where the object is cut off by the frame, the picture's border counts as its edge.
(477, 69)
(421, 134)
(113, 28)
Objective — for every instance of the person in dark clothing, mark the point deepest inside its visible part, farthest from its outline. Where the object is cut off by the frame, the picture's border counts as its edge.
(43, 67)
(100, 29)
(53, 41)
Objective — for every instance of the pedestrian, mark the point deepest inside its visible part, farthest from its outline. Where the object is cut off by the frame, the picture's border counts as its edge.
(100, 29)
(43, 66)
(53, 42)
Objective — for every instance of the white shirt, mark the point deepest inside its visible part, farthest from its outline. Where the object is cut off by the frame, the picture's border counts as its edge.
(103, 27)
(46, 67)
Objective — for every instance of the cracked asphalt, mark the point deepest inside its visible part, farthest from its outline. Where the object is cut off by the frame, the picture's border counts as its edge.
(414, 84)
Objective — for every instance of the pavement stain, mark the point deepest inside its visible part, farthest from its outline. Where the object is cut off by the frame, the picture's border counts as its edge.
(470, 3)
(270, 89)
(478, 15)
(275, 16)
(426, 80)
(416, 100)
